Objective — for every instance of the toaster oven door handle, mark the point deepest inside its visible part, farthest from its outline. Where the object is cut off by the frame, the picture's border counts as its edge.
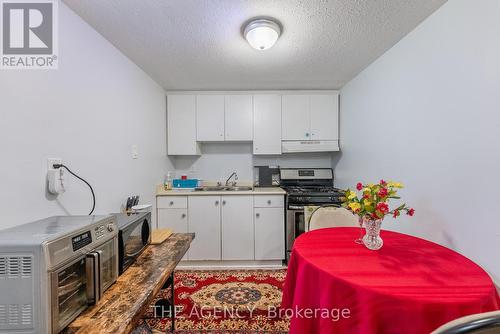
(136, 253)
(93, 284)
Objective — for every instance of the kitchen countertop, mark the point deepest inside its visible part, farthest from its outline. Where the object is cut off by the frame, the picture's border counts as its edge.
(123, 304)
(160, 191)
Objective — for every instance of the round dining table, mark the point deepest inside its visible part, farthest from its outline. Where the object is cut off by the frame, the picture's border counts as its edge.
(410, 285)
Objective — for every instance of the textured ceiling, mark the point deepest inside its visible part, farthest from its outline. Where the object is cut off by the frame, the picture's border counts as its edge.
(197, 44)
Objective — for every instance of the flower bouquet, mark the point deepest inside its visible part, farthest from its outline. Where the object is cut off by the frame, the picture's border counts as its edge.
(372, 205)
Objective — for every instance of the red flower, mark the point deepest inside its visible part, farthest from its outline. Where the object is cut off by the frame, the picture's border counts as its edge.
(359, 186)
(382, 192)
(366, 195)
(383, 207)
(410, 212)
(396, 213)
(382, 182)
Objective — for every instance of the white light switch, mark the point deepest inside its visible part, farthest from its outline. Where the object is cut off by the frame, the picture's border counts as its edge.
(135, 152)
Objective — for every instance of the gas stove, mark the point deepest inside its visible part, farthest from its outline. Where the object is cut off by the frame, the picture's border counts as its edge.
(306, 187)
(310, 186)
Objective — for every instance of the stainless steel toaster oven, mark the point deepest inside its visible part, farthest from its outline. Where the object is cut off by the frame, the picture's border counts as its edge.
(52, 269)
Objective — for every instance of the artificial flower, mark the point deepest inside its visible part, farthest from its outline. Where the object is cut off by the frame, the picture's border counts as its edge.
(351, 195)
(411, 212)
(382, 182)
(383, 207)
(396, 213)
(382, 192)
(354, 206)
(359, 186)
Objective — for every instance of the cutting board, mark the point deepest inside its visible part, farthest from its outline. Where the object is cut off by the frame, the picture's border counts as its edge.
(160, 235)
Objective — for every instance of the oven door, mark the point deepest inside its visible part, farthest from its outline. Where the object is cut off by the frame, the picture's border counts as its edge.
(107, 264)
(295, 226)
(133, 241)
(68, 293)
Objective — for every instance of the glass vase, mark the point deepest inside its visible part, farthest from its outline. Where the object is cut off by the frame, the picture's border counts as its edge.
(372, 239)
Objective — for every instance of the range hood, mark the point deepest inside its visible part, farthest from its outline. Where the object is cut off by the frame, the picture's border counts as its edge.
(296, 146)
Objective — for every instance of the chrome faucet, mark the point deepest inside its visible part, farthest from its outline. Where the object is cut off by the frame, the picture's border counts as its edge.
(229, 178)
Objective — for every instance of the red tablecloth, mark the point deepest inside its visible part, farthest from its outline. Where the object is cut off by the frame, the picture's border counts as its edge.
(409, 286)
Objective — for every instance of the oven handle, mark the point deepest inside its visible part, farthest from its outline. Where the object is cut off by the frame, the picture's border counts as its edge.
(296, 207)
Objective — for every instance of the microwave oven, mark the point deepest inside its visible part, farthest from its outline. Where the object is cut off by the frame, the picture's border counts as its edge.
(52, 269)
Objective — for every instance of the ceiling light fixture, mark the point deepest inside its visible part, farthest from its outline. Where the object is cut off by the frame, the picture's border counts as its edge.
(262, 34)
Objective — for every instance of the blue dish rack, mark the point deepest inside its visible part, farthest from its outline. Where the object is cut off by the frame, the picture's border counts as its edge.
(181, 184)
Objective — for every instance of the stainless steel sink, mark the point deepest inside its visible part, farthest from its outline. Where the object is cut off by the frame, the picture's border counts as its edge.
(214, 188)
(238, 188)
(222, 188)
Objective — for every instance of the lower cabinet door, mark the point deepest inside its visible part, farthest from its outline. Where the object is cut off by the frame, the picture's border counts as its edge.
(204, 220)
(237, 227)
(269, 234)
(174, 219)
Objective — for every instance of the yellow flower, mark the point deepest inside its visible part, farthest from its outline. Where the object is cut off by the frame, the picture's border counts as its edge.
(367, 203)
(395, 184)
(354, 206)
(365, 190)
(351, 195)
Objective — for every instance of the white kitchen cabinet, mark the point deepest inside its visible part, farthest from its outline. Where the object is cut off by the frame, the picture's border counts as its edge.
(296, 118)
(181, 125)
(324, 117)
(310, 117)
(267, 124)
(238, 117)
(210, 117)
(174, 219)
(269, 233)
(205, 221)
(237, 228)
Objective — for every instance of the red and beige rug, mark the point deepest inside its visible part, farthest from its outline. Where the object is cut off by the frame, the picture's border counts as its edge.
(223, 301)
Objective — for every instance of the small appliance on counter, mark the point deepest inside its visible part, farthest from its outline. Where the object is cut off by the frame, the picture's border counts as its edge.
(266, 176)
(52, 269)
(133, 237)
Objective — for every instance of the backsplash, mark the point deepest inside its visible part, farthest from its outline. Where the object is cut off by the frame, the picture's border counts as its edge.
(219, 160)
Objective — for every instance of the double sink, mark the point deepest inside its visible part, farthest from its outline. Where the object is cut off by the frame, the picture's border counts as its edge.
(225, 188)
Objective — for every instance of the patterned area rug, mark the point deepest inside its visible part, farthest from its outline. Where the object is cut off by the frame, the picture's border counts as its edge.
(223, 301)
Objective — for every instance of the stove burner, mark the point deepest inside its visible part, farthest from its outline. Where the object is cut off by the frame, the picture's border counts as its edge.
(292, 190)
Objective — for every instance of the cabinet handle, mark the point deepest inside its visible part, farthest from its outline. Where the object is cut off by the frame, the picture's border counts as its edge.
(257, 215)
(216, 202)
(183, 215)
(269, 202)
(307, 134)
(223, 202)
(171, 202)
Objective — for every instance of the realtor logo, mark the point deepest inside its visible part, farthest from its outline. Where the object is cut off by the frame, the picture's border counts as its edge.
(29, 34)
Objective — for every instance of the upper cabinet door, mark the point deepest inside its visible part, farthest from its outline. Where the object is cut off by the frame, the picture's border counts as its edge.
(210, 117)
(266, 124)
(181, 125)
(239, 117)
(324, 117)
(295, 124)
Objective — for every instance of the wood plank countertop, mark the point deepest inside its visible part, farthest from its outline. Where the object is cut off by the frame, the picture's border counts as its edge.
(123, 304)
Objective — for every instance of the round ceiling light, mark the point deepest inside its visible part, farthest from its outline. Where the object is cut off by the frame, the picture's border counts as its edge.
(262, 34)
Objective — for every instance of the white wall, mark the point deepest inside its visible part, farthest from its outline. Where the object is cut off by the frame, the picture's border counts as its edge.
(88, 112)
(427, 113)
(219, 160)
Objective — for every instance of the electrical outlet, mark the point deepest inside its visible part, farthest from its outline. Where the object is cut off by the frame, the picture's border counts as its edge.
(53, 161)
(56, 177)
